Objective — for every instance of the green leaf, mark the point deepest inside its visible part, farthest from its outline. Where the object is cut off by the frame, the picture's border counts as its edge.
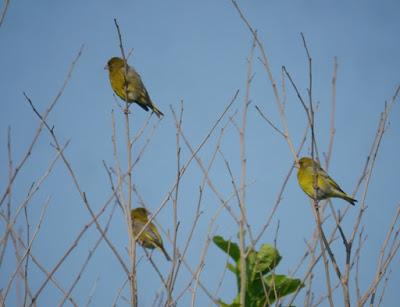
(261, 289)
(251, 264)
(267, 259)
(235, 303)
(256, 289)
(222, 304)
(228, 247)
(232, 268)
(265, 292)
(282, 285)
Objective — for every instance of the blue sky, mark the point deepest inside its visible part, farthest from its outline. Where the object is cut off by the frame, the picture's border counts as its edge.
(195, 52)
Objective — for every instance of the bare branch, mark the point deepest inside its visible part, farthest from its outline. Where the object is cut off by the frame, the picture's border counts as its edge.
(4, 11)
(40, 128)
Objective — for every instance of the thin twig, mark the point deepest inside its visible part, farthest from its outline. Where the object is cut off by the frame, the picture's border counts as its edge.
(333, 112)
(16, 237)
(41, 125)
(78, 187)
(270, 122)
(268, 69)
(87, 260)
(204, 170)
(4, 11)
(28, 249)
(128, 203)
(186, 165)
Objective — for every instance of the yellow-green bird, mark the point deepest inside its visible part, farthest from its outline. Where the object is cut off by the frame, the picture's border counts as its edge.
(309, 172)
(150, 237)
(130, 85)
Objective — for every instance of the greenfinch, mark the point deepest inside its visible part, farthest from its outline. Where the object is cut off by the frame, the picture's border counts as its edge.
(310, 172)
(150, 237)
(130, 85)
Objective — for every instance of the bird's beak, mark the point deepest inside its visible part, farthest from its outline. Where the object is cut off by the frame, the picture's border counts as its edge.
(296, 165)
(106, 67)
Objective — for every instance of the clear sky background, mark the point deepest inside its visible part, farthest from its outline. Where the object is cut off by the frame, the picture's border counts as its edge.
(196, 51)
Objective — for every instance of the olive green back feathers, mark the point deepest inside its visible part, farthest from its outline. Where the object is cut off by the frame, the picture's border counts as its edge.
(310, 173)
(149, 238)
(129, 86)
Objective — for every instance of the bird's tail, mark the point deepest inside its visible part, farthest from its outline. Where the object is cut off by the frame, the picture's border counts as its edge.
(164, 251)
(157, 111)
(349, 199)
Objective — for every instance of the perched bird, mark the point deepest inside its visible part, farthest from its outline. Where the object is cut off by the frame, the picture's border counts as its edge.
(310, 172)
(130, 85)
(150, 237)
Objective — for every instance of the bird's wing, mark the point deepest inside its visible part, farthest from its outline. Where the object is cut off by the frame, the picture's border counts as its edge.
(155, 234)
(151, 231)
(132, 74)
(148, 239)
(135, 84)
(332, 183)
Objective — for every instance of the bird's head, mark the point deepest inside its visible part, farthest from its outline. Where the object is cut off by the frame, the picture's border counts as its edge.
(114, 64)
(305, 162)
(139, 213)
